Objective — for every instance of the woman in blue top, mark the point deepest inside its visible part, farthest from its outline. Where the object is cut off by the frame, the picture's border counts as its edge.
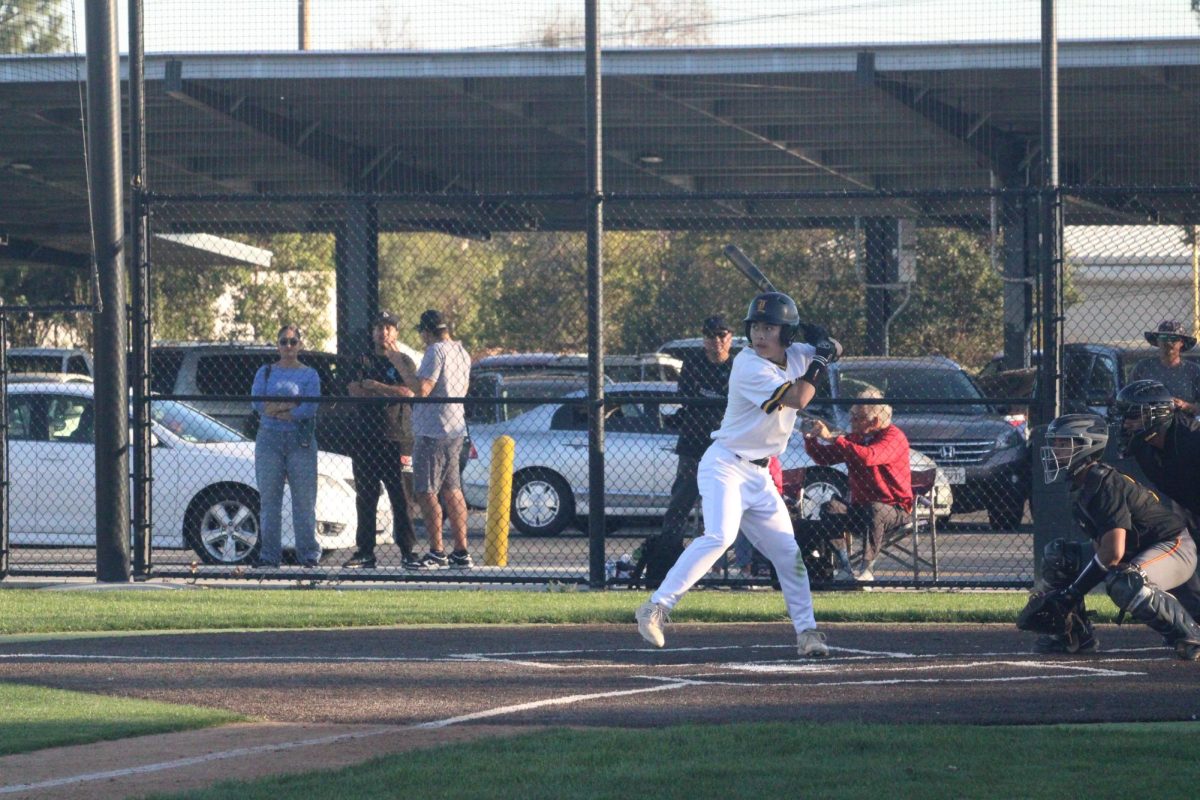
(285, 449)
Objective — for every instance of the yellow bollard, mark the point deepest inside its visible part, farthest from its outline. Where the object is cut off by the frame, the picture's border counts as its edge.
(495, 535)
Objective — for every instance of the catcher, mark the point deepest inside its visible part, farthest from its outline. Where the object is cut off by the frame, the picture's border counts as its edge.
(1141, 548)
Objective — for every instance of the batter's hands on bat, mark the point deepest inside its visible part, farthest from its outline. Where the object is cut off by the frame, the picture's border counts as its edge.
(811, 333)
(828, 351)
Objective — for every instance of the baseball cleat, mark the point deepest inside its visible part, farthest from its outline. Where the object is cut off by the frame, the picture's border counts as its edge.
(811, 644)
(650, 618)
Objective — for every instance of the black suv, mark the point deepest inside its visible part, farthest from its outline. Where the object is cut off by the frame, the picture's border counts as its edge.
(982, 452)
(1093, 373)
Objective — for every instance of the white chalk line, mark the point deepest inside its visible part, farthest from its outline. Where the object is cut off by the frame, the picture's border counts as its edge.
(240, 752)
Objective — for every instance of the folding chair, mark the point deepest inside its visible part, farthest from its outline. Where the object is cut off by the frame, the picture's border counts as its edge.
(923, 517)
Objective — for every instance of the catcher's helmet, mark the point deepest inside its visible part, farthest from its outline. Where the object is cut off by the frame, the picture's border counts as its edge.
(775, 308)
(1072, 442)
(1148, 404)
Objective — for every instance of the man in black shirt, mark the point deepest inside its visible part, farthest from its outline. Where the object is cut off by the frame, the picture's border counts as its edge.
(704, 375)
(1142, 548)
(384, 445)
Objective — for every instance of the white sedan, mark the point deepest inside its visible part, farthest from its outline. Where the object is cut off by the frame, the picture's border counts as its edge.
(204, 491)
(550, 471)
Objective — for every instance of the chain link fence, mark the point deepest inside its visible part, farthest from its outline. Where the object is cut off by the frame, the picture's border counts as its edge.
(433, 159)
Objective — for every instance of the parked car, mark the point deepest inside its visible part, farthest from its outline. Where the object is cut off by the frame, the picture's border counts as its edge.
(983, 453)
(550, 471)
(66, 360)
(502, 387)
(1093, 373)
(228, 369)
(623, 368)
(680, 348)
(203, 492)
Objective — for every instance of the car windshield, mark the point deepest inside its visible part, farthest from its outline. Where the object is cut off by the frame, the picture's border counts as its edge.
(898, 383)
(190, 425)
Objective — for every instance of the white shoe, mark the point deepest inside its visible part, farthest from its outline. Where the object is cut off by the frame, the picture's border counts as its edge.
(866, 576)
(843, 575)
(811, 644)
(650, 618)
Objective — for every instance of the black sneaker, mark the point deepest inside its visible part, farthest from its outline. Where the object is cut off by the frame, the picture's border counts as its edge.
(360, 560)
(461, 560)
(412, 561)
(432, 560)
(1187, 650)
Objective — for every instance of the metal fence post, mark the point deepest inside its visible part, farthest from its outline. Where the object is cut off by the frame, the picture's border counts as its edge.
(595, 313)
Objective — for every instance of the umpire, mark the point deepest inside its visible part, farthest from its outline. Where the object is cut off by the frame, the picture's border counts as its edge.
(383, 445)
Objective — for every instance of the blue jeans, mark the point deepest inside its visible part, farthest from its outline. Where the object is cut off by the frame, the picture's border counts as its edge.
(279, 456)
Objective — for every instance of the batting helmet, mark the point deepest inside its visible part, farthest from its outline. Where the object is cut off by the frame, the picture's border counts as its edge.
(775, 308)
(1072, 442)
(1148, 403)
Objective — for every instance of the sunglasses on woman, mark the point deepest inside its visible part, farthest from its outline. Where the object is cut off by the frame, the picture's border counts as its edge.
(289, 341)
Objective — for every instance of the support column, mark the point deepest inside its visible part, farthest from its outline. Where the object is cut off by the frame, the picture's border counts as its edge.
(1019, 255)
(356, 259)
(881, 240)
(111, 395)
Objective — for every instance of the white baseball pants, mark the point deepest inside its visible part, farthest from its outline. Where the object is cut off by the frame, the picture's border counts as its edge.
(737, 494)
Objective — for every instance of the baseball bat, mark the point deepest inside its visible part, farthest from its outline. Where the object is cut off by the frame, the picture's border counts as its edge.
(748, 268)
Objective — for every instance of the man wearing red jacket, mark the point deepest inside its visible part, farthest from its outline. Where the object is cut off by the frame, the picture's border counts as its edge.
(876, 456)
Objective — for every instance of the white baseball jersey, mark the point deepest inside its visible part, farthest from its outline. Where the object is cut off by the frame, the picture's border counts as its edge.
(756, 423)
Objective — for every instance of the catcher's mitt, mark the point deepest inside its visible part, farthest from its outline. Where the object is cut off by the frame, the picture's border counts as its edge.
(1049, 612)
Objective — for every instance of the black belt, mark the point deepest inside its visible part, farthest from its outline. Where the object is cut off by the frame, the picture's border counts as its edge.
(758, 462)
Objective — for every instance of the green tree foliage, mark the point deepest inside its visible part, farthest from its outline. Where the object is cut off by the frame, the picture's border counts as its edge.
(303, 267)
(32, 26)
(296, 289)
(46, 285)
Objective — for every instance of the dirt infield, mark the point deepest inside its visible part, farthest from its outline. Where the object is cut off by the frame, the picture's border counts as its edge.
(330, 697)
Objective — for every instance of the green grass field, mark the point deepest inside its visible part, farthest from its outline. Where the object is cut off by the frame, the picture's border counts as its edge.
(24, 611)
(772, 761)
(695, 762)
(35, 718)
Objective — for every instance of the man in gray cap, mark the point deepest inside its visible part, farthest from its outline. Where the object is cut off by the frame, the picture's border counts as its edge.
(1181, 377)
(439, 430)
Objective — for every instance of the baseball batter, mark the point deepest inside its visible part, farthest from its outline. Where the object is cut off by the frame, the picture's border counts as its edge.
(769, 381)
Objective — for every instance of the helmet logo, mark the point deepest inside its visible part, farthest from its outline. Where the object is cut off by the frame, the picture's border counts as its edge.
(762, 305)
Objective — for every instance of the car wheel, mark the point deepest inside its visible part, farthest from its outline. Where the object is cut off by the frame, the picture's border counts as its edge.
(222, 525)
(1006, 515)
(542, 503)
(821, 486)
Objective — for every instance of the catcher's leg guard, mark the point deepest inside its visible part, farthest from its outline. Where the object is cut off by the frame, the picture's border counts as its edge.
(1150, 605)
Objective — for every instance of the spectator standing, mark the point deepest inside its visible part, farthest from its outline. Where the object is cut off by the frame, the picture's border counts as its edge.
(1181, 377)
(285, 450)
(439, 430)
(876, 456)
(383, 445)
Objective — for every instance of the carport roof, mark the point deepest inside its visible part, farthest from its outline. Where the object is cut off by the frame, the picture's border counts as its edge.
(677, 121)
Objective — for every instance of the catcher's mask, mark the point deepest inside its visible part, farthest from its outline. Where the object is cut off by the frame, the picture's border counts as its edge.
(1143, 407)
(1072, 442)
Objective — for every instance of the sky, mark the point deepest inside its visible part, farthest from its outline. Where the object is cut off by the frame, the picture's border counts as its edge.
(257, 25)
